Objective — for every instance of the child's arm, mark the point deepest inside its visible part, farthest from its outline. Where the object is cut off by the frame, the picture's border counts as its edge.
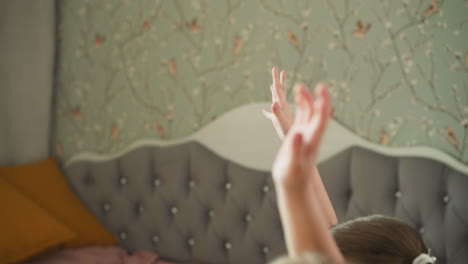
(282, 118)
(323, 198)
(305, 226)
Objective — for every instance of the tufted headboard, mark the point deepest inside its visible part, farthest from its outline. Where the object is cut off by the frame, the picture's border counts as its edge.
(185, 203)
(190, 204)
(425, 193)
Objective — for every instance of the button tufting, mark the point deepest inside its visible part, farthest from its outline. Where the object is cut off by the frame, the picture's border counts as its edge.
(227, 246)
(140, 208)
(174, 210)
(265, 250)
(123, 180)
(266, 188)
(191, 242)
(446, 198)
(155, 239)
(156, 182)
(228, 186)
(398, 194)
(248, 218)
(211, 213)
(191, 184)
(88, 180)
(123, 235)
(106, 207)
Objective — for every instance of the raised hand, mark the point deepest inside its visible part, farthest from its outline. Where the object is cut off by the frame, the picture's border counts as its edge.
(281, 114)
(303, 215)
(295, 162)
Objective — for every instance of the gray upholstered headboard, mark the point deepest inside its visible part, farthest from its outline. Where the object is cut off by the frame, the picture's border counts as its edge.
(190, 205)
(194, 202)
(185, 203)
(425, 193)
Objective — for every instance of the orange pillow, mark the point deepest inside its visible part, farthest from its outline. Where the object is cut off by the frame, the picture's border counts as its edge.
(44, 183)
(26, 230)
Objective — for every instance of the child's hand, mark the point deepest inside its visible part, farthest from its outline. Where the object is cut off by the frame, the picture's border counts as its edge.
(296, 158)
(281, 114)
(304, 216)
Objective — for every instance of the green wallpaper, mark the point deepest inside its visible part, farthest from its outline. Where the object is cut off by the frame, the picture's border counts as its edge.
(163, 69)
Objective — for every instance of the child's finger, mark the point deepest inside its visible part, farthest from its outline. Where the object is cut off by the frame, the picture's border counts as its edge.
(274, 96)
(319, 120)
(268, 114)
(283, 82)
(280, 125)
(274, 111)
(276, 81)
(283, 121)
(301, 112)
(321, 113)
(308, 101)
(322, 90)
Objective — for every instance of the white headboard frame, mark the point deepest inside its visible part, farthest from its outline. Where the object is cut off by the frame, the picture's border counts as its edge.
(244, 136)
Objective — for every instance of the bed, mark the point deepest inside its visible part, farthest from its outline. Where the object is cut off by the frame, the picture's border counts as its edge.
(209, 198)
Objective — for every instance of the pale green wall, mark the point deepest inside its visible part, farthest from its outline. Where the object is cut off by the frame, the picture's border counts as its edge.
(142, 69)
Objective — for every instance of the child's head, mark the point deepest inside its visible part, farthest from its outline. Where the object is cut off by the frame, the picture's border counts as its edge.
(378, 239)
(371, 239)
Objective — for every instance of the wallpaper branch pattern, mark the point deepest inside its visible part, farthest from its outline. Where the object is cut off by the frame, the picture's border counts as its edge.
(398, 70)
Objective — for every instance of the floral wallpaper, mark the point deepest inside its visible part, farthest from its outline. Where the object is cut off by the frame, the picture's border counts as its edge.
(398, 69)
